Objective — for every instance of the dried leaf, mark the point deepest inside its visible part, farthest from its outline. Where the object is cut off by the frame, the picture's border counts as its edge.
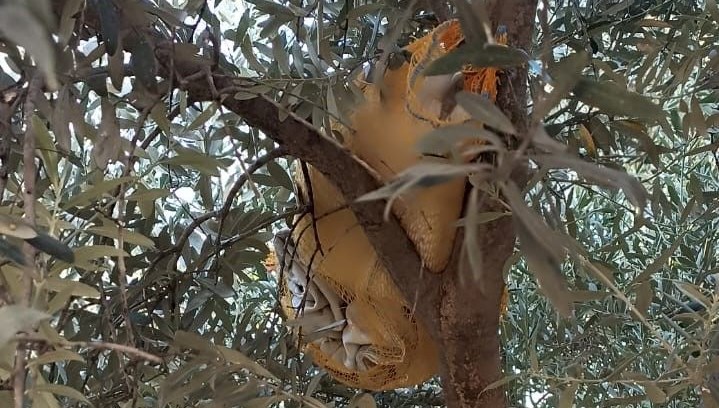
(108, 145)
(363, 400)
(654, 393)
(587, 140)
(567, 396)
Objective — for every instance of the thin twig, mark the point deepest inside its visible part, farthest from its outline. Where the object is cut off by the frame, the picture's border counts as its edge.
(5, 135)
(29, 176)
(122, 279)
(311, 204)
(97, 345)
(221, 213)
(259, 163)
(122, 348)
(637, 313)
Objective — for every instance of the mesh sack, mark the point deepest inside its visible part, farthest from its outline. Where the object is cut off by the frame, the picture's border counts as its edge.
(364, 335)
(396, 114)
(352, 318)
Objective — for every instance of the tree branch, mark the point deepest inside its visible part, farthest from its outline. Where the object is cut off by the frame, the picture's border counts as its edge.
(97, 345)
(300, 139)
(29, 174)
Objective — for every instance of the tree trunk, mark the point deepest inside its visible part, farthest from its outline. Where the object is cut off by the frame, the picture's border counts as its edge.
(469, 320)
(465, 320)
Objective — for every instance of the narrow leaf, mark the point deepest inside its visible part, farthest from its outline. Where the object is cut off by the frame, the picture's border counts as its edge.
(616, 100)
(16, 227)
(19, 26)
(75, 288)
(109, 24)
(491, 55)
(47, 149)
(52, 246)
(63, 391)
(485, 111)
(96, 191)
(54, 356)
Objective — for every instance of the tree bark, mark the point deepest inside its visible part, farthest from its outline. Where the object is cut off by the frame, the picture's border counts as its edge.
(466, 326)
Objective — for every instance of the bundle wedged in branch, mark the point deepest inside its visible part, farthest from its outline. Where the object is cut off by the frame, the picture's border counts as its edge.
(394, 249)
(396, 349)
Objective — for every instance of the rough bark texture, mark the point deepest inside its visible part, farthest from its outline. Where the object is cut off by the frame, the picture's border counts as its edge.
(467, 324)
(462, 315)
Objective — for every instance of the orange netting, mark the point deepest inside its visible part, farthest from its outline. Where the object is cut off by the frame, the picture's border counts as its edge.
(427, 49)
(354, 320)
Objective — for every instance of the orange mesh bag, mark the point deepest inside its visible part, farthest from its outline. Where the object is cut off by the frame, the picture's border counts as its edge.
(386, 131)
(350, 314)
(352, 318)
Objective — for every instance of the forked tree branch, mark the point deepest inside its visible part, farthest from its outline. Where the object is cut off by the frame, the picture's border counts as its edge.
(461, 319)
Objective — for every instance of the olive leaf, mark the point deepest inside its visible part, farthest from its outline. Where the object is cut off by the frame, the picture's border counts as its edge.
(18, 228)
(542, 248)
(614, 99)
(489, 55)
(18, 24)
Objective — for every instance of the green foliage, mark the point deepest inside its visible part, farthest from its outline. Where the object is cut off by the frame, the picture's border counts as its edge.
(169, 203)
(633, 266)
